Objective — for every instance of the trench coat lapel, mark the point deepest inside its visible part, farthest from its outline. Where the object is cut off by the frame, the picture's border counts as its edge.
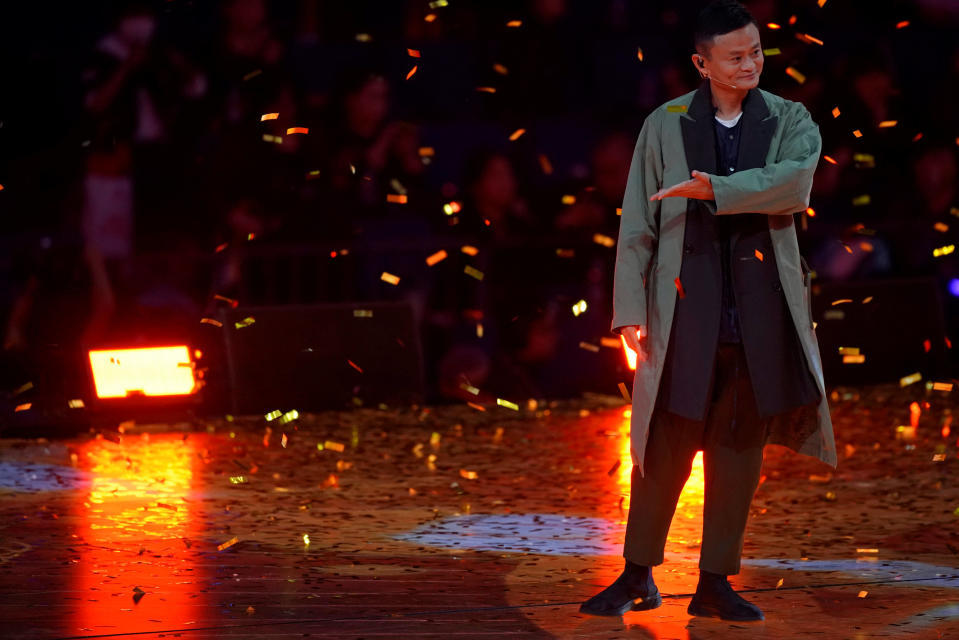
(699, 136)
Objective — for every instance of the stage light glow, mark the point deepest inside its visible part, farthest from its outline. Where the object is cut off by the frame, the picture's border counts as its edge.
(152, 371)
(954, 287)
(630, 354)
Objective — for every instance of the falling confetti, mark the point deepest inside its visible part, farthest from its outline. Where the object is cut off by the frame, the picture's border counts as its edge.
(229, 543)
(473, 272)
(507, 404)
(679, 288)
(436, 257)
(245, 322)
(795, 74)
(390, 278)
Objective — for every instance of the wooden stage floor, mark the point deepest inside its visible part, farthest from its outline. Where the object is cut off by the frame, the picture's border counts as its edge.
(457, 523)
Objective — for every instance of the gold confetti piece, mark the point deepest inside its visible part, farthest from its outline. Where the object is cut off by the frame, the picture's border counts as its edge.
(939, 457)
(805, 37)
(362, 313)
(604, 240)
(679, 288)
(857, 133)
(795, 74)
(289, 416)
(269, 116)
(271, 138)
(862, 594)
(568, 199)
(864, 159)
(676, 108)
(469, 475)
(472, 271)
(516, 134)
(514, 23)
(943, 251)
(478, 407)
(912, 378)
(588, 346)
(431, 462)
(363, 37)
(273, 415)
(903, 24)
(773, 25)
(23, 407)
(479, 329)
(941, 227)
(498, 435)
(780, 583)
(412, 71)
(469, 250)
(623, 390)
(772, 51)
(831, 496)
(853, 351)
(759, 255)
(835, 112)
(215, 323)
(396, 198)
(579, 307)
(942, 386)
(507, 404)
(76, 404)
(389, 277)
(355, 366)
(470, 388)
(885, 124)
(26, 386)
(829, 159)
(435, 439)
(245, 322)
(862, 200)
(284, 440)
(229, 543)
(854, 359)
(237, 479)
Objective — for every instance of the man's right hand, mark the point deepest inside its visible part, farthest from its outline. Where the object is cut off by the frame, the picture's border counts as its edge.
(636, 337)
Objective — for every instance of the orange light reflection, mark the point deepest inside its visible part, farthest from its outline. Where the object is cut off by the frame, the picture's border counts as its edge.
(154, 371)
(135, 527)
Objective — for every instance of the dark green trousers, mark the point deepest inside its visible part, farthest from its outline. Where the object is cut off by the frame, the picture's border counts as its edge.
(731, 438)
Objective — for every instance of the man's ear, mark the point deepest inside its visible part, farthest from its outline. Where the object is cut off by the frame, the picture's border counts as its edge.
(699, 62)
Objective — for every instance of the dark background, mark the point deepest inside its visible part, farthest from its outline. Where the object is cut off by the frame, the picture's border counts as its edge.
(138, 184)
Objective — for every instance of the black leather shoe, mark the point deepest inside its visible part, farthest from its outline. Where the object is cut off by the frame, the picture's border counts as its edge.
(625, 594)
(715, 598)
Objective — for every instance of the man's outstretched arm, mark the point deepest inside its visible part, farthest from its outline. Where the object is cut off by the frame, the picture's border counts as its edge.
(779, 188)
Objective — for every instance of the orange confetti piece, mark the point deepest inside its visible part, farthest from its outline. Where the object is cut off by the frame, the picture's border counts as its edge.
(795, 74)
(469, 475)
(759, 255)
(623, 390)
(486, 89)
(773, 25)
(545, 164)
(805, 37)
(23, 407)
(355, 366)
(810, 212)
(885, 124)
(926, 345)
(413, 53)
(230, 301)
(412, 71)
(902, 24)
(780, 583)
(854, 359)
(221, 247)
(229, 543)
(469, 249)
(389, 277)
(215, 323)
(841, 301)
(639, 53)
(334, 446)
(269, 116)
(292, 130)
(500, 69)
(857, 133)
(835, 112)
(830, 159)
(679, 288)
(792, 19)
(941, 227)
(478, 407)
(862, 594)
(514, 23)
(942, 386)
(436, 257)
(396, 198)
(516, 134)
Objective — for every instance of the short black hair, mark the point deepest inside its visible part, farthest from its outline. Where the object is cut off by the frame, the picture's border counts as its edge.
(717, 18)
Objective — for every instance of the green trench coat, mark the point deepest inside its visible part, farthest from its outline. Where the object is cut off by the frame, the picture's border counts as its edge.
(650, 251)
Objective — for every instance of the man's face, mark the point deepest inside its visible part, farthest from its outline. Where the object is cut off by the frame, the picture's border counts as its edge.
(736, 57)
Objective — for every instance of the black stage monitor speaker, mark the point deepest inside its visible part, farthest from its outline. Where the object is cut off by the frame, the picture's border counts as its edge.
(326, 356)
(897, 326)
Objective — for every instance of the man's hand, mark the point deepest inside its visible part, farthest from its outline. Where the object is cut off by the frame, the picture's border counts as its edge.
(698, 188)
(636, 337)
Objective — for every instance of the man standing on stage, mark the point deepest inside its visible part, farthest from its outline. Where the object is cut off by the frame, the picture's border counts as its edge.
(712, 294)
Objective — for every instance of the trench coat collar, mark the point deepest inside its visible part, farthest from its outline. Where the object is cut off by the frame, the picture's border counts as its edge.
(699, 140)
